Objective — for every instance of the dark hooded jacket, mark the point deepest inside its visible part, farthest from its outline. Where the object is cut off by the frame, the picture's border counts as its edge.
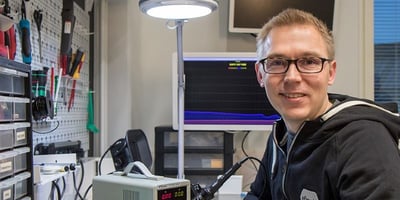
(350, 152)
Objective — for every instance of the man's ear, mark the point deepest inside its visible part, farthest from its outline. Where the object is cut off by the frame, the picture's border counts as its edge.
(259, 74)
(332, 72)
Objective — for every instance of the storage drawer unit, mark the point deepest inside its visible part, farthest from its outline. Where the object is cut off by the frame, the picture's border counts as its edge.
(15, 130)
(207, 154)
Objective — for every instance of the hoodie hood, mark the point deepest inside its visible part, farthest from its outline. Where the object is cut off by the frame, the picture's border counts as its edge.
(353, 109)
(345, 110)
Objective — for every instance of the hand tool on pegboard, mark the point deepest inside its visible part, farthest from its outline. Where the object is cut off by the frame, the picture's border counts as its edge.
(35, 83)
(11, 42)
(42, 103)
(68, 24)
(24, 26)
(74, 73)
(8, 40)
(72, 95)
(39, 81)
(64, 94)
(90, 125)
(57, 80)
(6, 8)
(77, 63)
(38, 16)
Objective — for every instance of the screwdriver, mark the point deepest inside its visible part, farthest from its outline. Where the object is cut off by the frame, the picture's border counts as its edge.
(26, 37)
(38, 16)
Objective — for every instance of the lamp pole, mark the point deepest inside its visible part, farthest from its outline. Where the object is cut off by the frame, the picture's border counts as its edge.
(180, 10)
(181, 98)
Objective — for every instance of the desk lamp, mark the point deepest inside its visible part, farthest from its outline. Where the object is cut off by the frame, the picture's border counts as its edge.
(179, 11)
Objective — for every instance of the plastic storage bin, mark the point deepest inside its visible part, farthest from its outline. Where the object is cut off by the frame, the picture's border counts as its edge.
(20, 108)
(20, 159)
(19, 83)
(7, 189)
(5, 82)
(21, 133)
(12, 81)
(21, 185)
(6, 108)
(6, 136)
(7, 163)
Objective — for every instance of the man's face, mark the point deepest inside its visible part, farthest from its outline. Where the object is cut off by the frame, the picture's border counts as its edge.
(297, 96)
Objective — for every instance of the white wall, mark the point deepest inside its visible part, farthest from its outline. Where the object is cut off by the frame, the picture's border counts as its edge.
(139, 63)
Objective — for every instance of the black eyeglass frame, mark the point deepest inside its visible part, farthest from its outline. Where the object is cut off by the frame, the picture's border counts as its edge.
(290, 61)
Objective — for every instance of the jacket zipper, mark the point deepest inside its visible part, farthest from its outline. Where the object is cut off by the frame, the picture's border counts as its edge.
(287, 160)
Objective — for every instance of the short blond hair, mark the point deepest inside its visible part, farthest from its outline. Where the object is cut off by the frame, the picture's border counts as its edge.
(292, 16)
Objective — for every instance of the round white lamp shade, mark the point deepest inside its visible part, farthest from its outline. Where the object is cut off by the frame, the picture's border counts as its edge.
(177, 9)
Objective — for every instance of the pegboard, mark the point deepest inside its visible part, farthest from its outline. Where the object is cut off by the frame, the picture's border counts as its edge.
(69, 123)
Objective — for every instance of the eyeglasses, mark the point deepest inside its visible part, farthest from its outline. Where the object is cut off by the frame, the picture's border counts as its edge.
(307, 65)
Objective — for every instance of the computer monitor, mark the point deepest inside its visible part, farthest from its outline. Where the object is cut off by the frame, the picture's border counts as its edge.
(221, 93)
(248, 16)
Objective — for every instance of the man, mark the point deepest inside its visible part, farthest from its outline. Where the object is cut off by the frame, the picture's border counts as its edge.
(325, 146)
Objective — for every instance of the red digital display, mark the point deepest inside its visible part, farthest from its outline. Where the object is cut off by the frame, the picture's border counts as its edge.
(179, 193)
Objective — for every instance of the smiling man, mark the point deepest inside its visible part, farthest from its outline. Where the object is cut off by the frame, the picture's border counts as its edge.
(326, 146)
